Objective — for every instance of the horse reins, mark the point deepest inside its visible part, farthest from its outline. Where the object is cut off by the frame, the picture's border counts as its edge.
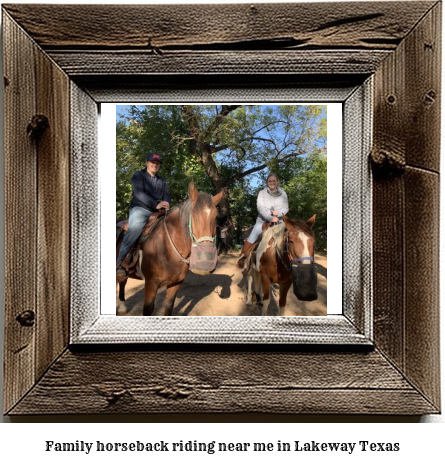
(172, 244)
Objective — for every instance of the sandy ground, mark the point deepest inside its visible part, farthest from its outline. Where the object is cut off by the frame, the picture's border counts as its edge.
(224, 294)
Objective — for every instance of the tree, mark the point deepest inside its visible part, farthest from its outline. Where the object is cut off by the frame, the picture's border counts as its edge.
(152, 128)
(230, 148)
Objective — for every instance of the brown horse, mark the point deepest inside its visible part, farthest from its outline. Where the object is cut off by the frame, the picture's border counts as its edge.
(285, 256)
(184, 239)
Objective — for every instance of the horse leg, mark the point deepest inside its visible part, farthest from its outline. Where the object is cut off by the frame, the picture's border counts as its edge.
(249, 277)
(121, 308)
(122, 291)
(249, 289)
(170, 297)
(284, 288)
(257, 288)
(265, 283)
(150, 295)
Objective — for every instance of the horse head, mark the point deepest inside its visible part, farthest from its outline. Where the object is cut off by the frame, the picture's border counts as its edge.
(300, 247)
(202, 226)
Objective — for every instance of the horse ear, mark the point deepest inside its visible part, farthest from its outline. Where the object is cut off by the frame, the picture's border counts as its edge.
(287, 221)
(310, 222)
(216, 198)
(193, 192)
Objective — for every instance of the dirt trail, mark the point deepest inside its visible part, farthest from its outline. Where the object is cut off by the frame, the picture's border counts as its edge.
(224, 294)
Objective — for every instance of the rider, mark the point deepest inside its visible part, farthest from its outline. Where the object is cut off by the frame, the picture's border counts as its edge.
(150, 193)
(272, 204)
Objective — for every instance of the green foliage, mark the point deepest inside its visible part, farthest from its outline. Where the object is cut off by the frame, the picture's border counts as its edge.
(232, 148)
(307, 192)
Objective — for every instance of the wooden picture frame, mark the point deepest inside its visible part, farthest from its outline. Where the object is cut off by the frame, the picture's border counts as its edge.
(381, 357)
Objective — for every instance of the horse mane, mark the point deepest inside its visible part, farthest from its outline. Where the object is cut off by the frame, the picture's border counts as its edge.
(304, 226)
(277, 234)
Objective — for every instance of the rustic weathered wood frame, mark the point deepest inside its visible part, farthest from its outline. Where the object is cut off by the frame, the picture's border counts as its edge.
(77, 56)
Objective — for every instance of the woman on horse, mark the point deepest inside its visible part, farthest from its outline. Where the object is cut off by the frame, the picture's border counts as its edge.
(272, 204)
(150, 193)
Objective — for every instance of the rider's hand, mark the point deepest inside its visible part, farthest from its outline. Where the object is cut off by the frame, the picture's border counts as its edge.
(274, 220)
(163, 205)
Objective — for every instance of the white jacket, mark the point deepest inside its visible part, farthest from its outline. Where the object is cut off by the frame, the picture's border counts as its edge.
(267, 202)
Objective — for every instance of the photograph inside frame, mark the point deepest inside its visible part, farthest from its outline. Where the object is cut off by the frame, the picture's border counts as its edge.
(221, 210)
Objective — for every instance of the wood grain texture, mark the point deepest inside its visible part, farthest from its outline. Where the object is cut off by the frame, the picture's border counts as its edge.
(20, 213)
(37, 277)
(53, 227)
(159, 27)
(164, 39)
(223, 382)
(406, 206)
(423, 92)
(422, 281)
(408, 98)
(286, 45)
(388, 268)
(129, 63)
(389, 143)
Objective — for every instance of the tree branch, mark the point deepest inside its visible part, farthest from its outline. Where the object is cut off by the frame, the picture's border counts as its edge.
(214, 149)
(259, 168)
(256, 131)
(219, 118)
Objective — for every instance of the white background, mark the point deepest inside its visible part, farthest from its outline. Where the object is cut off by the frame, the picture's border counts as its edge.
(23, 440)
(107, 163)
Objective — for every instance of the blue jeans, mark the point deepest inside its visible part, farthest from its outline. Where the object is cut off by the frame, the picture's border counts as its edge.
(256, 231)
(136, 222)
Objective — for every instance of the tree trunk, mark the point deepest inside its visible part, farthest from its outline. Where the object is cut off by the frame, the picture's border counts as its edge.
(212, 172)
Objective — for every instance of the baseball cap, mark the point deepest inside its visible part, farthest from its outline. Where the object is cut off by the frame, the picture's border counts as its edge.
(154, 157)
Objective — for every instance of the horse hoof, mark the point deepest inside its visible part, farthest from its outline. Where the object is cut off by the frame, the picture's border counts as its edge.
(121, 308)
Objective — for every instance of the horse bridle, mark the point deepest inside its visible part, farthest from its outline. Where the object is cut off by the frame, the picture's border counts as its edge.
(201, 239)
(289, 255)
(192, 237)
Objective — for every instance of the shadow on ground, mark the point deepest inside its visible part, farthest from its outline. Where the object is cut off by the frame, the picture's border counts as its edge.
(224, 294)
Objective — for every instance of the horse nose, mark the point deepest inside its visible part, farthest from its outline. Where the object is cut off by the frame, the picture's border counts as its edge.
(204, 256)
(304, 278)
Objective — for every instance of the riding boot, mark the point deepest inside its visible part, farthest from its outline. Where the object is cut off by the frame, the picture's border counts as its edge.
(121, 273)
(247, 246)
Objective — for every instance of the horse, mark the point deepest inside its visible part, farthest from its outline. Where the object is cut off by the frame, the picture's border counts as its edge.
(284, 256)
(182, 240)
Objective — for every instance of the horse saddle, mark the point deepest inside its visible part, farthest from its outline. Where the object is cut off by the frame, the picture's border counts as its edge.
(151, 222)
(133, 254)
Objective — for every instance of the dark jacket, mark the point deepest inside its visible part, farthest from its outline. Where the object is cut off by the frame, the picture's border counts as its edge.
(148, 191)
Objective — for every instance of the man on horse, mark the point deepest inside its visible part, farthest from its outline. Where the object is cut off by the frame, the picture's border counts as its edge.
(150, 193)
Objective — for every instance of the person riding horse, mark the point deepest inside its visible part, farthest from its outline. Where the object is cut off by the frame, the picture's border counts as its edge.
(272, 204)
(150, 193)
